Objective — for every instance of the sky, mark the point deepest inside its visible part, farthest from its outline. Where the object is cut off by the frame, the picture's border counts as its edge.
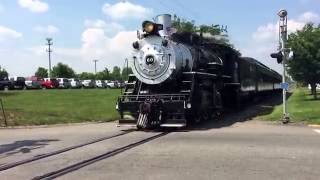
(84, 30)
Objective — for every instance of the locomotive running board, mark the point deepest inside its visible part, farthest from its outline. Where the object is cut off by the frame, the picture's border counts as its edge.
(173, 125)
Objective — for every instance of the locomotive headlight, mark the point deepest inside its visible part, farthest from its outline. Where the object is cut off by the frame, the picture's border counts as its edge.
(148, 26)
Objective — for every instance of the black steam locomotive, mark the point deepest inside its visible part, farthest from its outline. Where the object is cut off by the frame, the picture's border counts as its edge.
(182, 78)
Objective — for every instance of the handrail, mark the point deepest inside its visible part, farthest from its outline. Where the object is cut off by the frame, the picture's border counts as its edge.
(139, 98)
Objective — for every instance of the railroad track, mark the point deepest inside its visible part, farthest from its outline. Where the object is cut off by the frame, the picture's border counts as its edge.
(42, 156)
(76, 166)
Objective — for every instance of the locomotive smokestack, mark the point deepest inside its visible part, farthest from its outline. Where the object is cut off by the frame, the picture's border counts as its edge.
(165, 20)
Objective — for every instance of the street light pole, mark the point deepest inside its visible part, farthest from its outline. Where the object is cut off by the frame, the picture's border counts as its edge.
(283, 37)
(49, 50)
(95, 65)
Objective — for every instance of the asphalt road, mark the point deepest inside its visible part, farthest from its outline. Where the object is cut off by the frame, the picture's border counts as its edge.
(230, 149)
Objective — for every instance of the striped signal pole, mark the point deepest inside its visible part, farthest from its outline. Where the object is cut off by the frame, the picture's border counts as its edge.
(283, 37)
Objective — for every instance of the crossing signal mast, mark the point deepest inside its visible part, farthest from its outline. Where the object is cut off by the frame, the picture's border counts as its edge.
(282, 57)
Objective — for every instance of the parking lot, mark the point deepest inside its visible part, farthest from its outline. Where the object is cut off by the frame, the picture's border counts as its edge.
(21, 83)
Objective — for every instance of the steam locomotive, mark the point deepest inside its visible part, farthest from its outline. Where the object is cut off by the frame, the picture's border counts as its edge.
(184, 78)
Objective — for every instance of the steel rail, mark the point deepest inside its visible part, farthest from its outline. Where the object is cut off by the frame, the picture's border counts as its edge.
(79, 165)
(35, 158)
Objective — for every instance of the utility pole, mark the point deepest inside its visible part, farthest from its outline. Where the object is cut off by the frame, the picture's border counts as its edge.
(127, 69)
(49, 50)
(283, 37)
(95, 65)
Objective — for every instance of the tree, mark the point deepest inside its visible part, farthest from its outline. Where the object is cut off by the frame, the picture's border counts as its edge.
(62, 70)
(86, 75)
(304, 66)
(103, 75)
(183, 25)
(125, 73)
(3, 73)
(217, 33)
(116, 73)
(41, 72)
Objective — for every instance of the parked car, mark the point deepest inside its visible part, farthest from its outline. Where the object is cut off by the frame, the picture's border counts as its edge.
(49, 83)
(5, 83)
(88, 83)
(317, 86)
(110, 84)
(64, 83)
(100, 84)
(33, 82)
(116, 84)
(18, 82)
(75, 83)
(122, 84)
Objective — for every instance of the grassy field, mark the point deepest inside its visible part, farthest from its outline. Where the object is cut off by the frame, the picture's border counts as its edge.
(36, 107)
(301, 107)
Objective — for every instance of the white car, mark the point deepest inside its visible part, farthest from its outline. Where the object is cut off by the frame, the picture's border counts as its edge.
(64, 83)
(88, 83)
(75, 83)
(110, 84)
(317, 87)
(100, 84)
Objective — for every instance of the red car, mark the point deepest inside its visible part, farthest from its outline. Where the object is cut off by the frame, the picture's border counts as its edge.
(49, 83)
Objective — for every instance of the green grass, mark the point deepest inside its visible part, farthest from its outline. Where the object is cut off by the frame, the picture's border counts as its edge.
(301, 107)
(37, 107)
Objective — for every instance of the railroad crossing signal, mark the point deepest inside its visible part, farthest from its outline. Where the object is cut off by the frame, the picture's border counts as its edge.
(282, 56)
(278, 56)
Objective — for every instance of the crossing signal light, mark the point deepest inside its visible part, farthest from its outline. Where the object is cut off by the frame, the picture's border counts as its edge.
(277, 56)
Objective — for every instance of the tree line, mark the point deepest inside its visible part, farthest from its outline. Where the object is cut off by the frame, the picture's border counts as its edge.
(65, 71)
(218, 32)
(3, 73)
(304, 65)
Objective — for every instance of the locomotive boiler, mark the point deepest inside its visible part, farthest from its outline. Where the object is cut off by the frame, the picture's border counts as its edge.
(182, 78)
